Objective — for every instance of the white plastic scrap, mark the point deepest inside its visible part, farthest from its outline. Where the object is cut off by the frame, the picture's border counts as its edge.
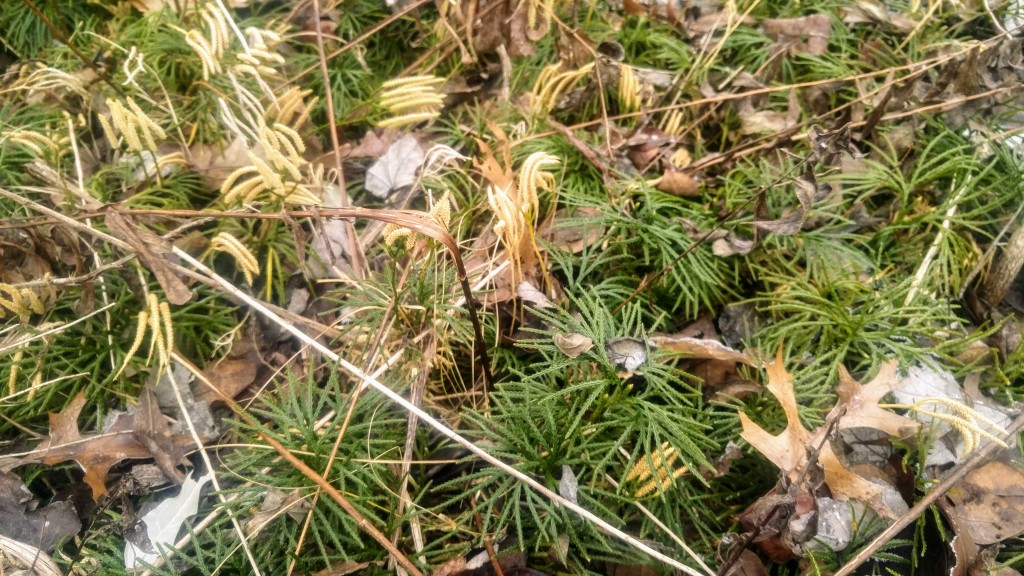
(164, 522)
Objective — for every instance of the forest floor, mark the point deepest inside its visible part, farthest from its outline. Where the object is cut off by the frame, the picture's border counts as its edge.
(511, 287)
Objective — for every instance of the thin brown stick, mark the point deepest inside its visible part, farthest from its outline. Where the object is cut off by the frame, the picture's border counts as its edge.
(369, 32)
(63, 39)
(976, 459)
(355, 252)
(364, 523)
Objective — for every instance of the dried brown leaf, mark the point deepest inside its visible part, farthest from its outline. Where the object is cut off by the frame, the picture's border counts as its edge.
(152, 430)
(861, 402)
(989, 502)
(230, 376)
(788, 450)
(807, 34)
(574, 344)
(701, 349)
(95, 453)
(678, 184)
(155, 254)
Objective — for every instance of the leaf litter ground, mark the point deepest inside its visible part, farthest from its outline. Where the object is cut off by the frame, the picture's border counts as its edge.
(726, 287)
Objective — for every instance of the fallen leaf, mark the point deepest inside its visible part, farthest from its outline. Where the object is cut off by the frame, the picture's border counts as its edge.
(174, 396)
(230, 376)
(677, 184)
(861, 402)
(529, 294)
(151, 429)
(374, 144)
(95, 453)
(275, 504)
(787, 450)
(568, 486)
(748, 564)
(806, 191)
(765, 122)
(920, 383)
(331, 244)
(21, 520)
(572, 231)
(21, 558)
(154, 252)
(989, 502)
(701, 349)
(574, 344)
(627, 354)
(807, 34)
(165, 521)
(396, 168)
(215, 162)
(876, 12)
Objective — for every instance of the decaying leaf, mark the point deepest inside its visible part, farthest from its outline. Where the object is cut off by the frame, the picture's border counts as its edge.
(568, 486)
(788, 224)
(95, 453)
(573, 231)
(701, 349)
(627, 354)
(151, 429)
(531, 295)
(807, 34)
(574, 344)
(17, 557)
(21, 520)
(989, 502)
(275, 504)
(154, 252)
(396, 168)
(230, 376)
(876, 12)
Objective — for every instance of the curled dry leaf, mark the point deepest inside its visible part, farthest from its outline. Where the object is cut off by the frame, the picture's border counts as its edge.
(677, 184)
(627, 354)
(701, 349)
(574, 344)
(16, 557)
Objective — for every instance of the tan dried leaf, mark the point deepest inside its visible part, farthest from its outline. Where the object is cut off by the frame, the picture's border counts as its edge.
(574, 344)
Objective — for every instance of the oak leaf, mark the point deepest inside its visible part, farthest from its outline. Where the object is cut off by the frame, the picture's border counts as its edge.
(96, 453)
(789, 450)
(861, 401)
